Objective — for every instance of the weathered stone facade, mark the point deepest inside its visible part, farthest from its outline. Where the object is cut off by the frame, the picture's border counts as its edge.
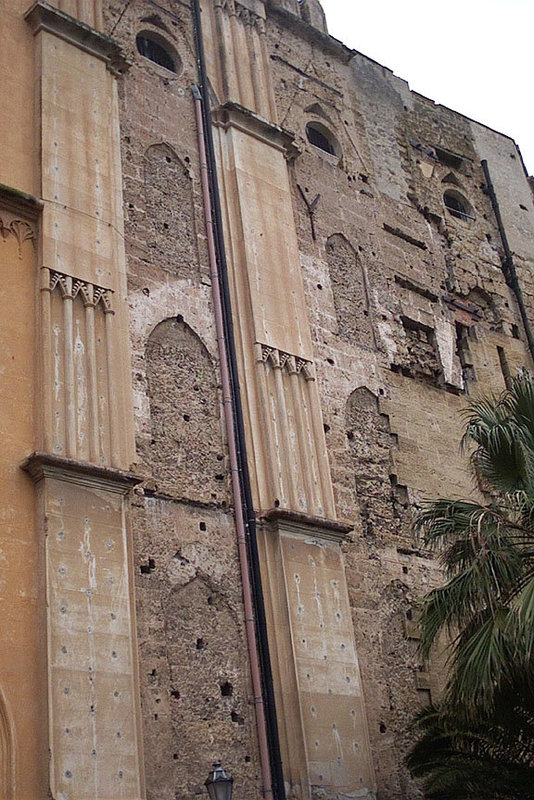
(369, 300)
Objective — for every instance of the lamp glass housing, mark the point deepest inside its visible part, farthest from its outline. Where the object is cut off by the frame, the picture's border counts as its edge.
(219, 783)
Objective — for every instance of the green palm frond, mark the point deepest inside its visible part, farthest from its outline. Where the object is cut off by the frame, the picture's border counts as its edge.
(492, 758)
(486, 550)
(480, 743)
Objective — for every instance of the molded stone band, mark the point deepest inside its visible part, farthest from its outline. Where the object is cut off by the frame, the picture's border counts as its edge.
(44, 17)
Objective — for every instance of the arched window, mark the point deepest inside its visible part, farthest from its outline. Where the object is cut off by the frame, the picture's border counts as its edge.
(319, 135)
(457, 205)
(158, 50)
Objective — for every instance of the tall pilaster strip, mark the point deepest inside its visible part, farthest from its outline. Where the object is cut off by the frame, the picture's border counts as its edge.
(316, 667)
(81, 478)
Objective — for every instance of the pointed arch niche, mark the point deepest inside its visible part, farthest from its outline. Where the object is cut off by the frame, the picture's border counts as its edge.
(170, 219)
(349, 290)
(186, 449)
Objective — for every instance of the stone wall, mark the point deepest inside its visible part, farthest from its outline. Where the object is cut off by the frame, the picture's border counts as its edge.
(408, 312)
(369, 306)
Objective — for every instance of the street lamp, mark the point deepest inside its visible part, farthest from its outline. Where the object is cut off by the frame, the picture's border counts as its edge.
(219, 783)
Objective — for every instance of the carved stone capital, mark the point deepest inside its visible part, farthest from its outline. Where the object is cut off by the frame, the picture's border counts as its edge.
(71, 287)
(21, 230)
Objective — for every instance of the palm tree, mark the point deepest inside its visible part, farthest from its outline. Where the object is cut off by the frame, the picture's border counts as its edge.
(487, 551)
(491, 758)
(479, 744)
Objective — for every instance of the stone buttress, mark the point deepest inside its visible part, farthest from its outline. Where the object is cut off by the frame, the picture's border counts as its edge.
(85, 443)
(312, 641)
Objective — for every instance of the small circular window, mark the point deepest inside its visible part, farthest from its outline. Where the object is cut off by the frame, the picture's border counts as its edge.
(319, 135)
(158, 50)
(457, 205)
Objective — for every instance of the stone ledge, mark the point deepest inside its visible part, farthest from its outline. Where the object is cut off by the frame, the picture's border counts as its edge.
(45, 465)
(306, 524)
(18, 202)
(233, 115)
(44, 17)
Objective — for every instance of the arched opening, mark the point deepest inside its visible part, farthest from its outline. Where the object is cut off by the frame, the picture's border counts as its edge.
(457, 205)
(154, 47)
(319, 135)
(169, 212)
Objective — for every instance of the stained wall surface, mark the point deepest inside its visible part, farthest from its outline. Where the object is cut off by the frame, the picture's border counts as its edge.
(23, 749)
(366, 315)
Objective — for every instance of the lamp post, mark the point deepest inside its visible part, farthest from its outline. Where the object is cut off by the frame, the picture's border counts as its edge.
(219, 783)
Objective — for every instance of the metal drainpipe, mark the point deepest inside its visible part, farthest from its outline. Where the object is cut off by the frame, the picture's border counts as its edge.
(234, 466)
(251, 576)
(508, 266)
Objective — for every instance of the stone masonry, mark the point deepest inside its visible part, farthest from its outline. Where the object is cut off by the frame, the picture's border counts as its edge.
(369, 304)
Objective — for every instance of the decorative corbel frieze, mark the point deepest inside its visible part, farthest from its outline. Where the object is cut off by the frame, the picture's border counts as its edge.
(70, 287)
(250, 12)
(287, 362)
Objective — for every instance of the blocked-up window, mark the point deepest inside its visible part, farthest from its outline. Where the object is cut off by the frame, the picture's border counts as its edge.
(419, 358)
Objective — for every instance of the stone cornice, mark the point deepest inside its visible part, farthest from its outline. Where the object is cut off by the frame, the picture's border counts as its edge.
(233, 115)
(307, 525)
(18, 202)
(45, 465)
(44, 17)
(309, 32)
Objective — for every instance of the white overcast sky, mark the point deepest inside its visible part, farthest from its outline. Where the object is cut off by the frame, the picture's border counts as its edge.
(475, 56)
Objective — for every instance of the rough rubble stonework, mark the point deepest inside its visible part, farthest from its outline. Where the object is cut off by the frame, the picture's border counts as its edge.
(369, 303)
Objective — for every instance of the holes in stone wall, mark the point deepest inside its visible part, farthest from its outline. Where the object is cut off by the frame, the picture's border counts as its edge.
(176, 362)
(169, 212)
(449, 159)
(148, 568)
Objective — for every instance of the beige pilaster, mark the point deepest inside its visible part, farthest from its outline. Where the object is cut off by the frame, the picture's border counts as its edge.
(85, 445)
(315, 664)
(94, 733)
